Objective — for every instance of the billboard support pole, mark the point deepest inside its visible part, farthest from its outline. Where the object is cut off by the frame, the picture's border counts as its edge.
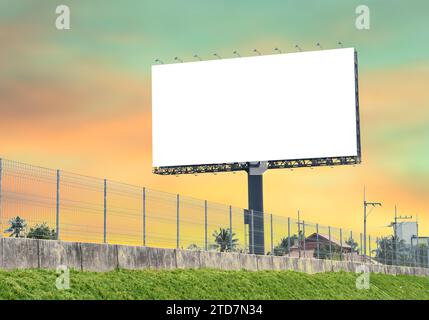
(1, 217)
(57, 207)
(178, 221)
(256, 203)
(105, 212)
(205, 225)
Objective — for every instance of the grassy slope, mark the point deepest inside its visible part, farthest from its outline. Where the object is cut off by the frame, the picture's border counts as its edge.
(208, 284)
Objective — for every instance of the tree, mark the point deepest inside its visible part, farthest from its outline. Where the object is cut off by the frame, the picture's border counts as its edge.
(223, 240)
(42, 231)
(392, 251)
(17, 227)
(283, 246)
(353, 245)
(334, 253)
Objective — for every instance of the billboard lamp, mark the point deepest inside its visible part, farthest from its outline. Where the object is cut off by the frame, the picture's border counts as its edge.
(159, 61)
(298, 47)
(198, 57)
(178, 59)
(236, 53)
(319, 45)
(256, 51)
(216, 55)
(278, 50)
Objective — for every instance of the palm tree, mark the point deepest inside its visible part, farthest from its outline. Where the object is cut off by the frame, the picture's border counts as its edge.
(17, 227)
(223, 240)
(283, 247)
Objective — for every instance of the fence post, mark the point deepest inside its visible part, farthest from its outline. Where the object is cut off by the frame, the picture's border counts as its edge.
(369, 247)
(330, 243)
(377, 255)
(428, 257)
(271, 225)
(351, 249)
(341, 244)
(361, 249)
(230, 228)
(105, 212)
(303, 235)
(178, 221)
(317, 241)
(288, 236)
(57, 207)
(205, 225)
(1, 216)
(253, 233)
(144, 216)
(385, 252)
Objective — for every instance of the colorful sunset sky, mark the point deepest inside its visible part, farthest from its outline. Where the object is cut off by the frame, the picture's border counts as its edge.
(80, 99)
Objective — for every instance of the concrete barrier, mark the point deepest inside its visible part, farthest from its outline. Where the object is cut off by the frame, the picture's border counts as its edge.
(230, 261)
(133, 258)
(279, 263)
(210, 259)
(248, 262)
(55, 253)
(188, 259)
(162, 258)
(264, 262)
(20, 253)
(99, 257)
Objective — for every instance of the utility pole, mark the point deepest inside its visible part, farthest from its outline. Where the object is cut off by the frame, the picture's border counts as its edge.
(365, 216)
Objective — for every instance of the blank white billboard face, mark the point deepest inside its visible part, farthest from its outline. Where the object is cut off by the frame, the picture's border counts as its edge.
(275, 107)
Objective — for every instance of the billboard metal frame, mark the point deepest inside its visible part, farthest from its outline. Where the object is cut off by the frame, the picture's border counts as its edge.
(276, 164)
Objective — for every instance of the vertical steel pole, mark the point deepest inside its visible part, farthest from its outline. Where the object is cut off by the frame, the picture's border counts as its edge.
(205, 225)
(105, 212)
(178, 221)
(303, 234)
(384, 251)
(1, 217)
(253, 233)
(330, 243)
(361, 249)
(317, 241)
(57, 207)
(288, 236)
(299, 236)
(144, 217)
(369, 247)
(230, 228)
(378, 250)
(428, 257)
(271, 225)
(341, 244)
(351, 246)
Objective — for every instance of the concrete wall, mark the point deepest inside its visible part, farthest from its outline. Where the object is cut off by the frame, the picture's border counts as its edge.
(49, 254)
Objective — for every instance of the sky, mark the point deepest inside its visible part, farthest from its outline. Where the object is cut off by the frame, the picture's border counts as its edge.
(80, 99)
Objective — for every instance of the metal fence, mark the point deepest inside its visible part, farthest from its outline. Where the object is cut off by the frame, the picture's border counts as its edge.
(61, 205)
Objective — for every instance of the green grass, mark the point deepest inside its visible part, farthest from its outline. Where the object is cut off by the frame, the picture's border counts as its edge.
(208, 284)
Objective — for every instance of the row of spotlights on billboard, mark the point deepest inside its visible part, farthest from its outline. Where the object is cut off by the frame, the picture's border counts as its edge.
(256, 51)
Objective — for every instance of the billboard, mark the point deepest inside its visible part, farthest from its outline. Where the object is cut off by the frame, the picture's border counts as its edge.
(280, 107)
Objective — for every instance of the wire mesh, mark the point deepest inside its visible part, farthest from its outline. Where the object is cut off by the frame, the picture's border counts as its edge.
(79, 208)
